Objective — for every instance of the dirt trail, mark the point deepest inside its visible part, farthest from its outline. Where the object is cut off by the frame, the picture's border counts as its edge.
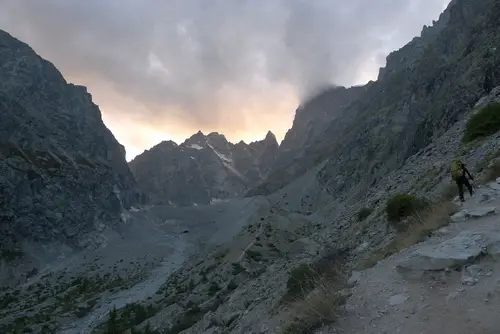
(465, 301)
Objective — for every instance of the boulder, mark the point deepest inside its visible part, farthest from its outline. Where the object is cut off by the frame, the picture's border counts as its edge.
(458, 217)
(481, 211)
(354, 279)
(466, 214)
(452, 253)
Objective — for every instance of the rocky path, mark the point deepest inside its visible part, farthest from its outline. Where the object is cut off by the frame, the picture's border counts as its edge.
(449, 283)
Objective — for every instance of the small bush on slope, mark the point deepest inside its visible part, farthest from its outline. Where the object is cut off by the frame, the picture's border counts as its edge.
(421, 225)
(363, 214)
(321, 306)
(126, 318)
(483, 124)
(304, 278)
(449, 191)
(300, 281)
(401, 206)
(492, 172)
(10, 255)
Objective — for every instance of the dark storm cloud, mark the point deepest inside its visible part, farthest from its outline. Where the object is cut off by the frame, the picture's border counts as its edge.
(187, 55)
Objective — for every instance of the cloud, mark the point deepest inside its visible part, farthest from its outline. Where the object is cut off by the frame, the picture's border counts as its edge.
(200, 63)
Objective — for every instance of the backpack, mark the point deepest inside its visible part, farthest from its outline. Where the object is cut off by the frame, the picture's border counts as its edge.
(456, 169)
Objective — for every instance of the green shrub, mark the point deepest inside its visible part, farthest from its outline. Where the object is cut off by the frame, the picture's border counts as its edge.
(301, 280)
(112, 325)
(421, 226)
(254, 255)
(126, 318)
(401, 206)
(449, 191)
(483, 124)
(213, 288)
(188, 319)
(220, 254)
(237, 268)
(10, 255)
(6, 299)
(492, 172)
(232, 285)
(364, 213)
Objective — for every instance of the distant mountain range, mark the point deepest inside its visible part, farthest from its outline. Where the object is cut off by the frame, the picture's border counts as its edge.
(203, 169)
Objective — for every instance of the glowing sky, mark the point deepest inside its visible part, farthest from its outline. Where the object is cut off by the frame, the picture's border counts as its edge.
(164, 69)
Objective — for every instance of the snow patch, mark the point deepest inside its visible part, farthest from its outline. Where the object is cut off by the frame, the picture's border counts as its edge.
(218, 200)
(223, 157)
(196, 146)
(226, 161)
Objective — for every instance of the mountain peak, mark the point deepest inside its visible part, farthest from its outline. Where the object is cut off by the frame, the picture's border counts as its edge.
(270, 136)
(163, 146)
(198, 134)
(270, 139)
(241, 143)
(215, 135)
(167, 143)
(198, 138)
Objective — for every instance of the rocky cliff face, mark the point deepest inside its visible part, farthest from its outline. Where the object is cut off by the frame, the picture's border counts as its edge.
(203, 169)
(62, 173)
(425, 88)
(312, 119)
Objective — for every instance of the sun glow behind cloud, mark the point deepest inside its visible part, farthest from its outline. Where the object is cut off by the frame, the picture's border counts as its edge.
(164, 70)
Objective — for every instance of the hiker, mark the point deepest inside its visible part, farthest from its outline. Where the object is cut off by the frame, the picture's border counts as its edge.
(458, 173)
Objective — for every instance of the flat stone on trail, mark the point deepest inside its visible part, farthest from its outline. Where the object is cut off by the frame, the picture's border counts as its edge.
(460, 216)
(479, 212)
(494, 186)
(397, 300)
(451, 253)
(354, 279)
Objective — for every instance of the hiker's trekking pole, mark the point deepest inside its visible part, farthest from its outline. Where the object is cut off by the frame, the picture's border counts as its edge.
(473, 184)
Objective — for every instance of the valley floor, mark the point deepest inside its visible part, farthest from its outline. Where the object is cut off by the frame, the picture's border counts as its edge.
(76, 296)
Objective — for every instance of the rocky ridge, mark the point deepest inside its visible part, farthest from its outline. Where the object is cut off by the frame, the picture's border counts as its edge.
(63, 175)
(424, 89)
(203, 169)
(309, 127)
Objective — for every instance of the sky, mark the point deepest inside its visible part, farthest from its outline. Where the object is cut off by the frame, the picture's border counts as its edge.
(164, 69)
